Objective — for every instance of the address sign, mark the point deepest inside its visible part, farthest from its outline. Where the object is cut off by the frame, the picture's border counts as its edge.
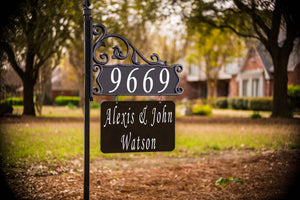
(138, 80)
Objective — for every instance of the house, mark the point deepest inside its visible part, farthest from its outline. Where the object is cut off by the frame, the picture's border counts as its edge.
(255, 77)
(194, 82)
(9, 82)
(251, 76)
(63, 82)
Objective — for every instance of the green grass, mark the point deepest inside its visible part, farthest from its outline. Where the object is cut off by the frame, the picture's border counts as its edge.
(60, 111)
(65, 111)
(40, 142)
(24, 144)
(198, 139)
(239, 113)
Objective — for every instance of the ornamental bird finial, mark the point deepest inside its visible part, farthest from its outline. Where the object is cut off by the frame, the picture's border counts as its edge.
(86, 3)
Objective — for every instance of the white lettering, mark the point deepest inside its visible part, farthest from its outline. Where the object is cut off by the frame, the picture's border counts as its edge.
(142, 116)
(161, 117)
(115, 117)
(143, 144)
(136, 144)
(133, 144)
(108, 112)
(125, 141)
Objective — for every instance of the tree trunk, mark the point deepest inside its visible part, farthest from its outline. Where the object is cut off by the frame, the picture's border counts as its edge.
(28, 87)
(48, 90)
(215, 95)
(209, 91)
(280, 62)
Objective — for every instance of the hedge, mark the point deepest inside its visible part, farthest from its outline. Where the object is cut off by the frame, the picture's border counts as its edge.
(14, 101)
(240, 103)
(294, 96)
(263, 103)
(65, 100)
(245, 103)
(221, 103)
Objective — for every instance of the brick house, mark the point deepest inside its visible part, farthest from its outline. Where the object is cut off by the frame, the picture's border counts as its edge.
(63, 83)
(256, 75)
(194, 82)
(249, 76)
(9, 82)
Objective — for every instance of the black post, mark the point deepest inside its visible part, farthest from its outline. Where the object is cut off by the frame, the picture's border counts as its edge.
(87, 94)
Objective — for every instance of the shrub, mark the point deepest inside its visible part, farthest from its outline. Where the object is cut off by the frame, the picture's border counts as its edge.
(221, 103)
(231, 103)
(95, 105)
(255, 115)
(293, 96)
(239, 103)
(246, 104)
(65, 100)
(71, 105)
(14, 101)
(263, 103)
(202, 110)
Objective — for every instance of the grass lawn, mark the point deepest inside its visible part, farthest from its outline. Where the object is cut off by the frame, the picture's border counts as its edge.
(59, 111)
(196, 139)
(65, 111)
(238, 113)
(29, 143)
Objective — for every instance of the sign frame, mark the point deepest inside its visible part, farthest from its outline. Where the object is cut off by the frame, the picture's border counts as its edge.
(101, 66)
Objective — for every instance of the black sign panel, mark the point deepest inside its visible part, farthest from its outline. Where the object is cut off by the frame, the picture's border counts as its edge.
(137, 126)
(139, 80)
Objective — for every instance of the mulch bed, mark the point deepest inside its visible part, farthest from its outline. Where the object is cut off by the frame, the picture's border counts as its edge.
(270, 175)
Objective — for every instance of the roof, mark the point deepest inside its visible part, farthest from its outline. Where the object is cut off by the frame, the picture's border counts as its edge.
(11, 78)
(200, 75)
(266, 58)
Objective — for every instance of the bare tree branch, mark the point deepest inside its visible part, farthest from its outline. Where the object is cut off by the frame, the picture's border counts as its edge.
(11, 57)
(257, 20)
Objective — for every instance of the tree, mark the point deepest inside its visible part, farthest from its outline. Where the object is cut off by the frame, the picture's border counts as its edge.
(259, 19)
(43, 88)
(34, 34)
(215, 48)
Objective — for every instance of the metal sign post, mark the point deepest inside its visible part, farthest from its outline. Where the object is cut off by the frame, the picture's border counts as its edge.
(137, 126)
(87, 89)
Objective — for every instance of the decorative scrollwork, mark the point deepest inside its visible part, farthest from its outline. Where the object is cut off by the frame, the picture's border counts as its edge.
(178, 68)
(97, 90)
(100, 30)
(179, 90)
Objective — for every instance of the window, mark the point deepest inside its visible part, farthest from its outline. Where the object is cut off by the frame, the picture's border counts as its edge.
(255, 87)
(193, 70)
(245, 87)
